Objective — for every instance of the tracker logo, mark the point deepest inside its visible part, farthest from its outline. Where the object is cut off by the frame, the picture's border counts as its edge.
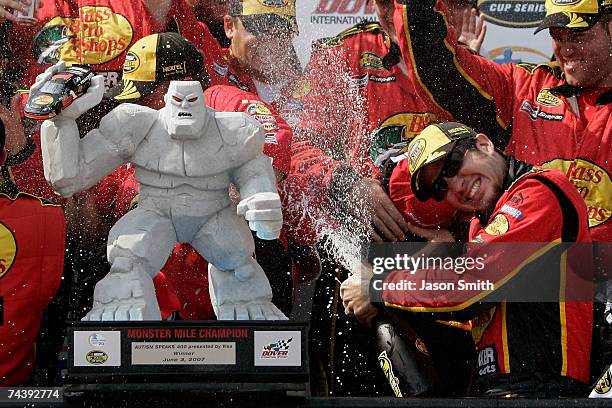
(276, 350)
(96, 357)
(132, 62)
(535, 113)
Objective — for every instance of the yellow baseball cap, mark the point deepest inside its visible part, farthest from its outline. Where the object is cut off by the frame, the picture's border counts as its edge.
(154, 59)
(433, 144)
(263, 16)
(574, 14)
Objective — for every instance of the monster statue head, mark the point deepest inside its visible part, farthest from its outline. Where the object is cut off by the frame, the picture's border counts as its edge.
(185, 113)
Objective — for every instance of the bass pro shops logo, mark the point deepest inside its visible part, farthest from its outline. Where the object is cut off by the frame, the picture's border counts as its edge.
(96, 36)
(8, 250)
(513, 13)
(593, 184)
(277, 350)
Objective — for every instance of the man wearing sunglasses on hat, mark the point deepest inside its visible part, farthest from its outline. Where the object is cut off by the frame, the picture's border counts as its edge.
(556, 115)
(525, 349)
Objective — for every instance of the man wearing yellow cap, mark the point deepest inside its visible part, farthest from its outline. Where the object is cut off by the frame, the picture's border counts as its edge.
(556, 115)
(262, 59)
(524, 349)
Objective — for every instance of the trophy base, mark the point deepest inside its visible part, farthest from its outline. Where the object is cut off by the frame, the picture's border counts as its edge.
(211, 356)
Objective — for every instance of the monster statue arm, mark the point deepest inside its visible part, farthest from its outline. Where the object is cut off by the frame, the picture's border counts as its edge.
(255, 179)
(72, 164)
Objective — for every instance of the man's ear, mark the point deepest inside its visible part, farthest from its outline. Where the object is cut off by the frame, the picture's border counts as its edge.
(484, 144)
(229, 26)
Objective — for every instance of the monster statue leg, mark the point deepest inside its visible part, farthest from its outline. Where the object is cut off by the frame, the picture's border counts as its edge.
(138, 246)
(239, 288)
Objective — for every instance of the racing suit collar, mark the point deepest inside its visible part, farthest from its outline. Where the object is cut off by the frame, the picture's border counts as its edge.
(569, 90)
(515, 169)
(393, 57)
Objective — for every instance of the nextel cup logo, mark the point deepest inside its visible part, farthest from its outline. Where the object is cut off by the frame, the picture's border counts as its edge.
(513, 13)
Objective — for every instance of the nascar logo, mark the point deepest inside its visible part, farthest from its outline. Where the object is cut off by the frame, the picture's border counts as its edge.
(132, 62)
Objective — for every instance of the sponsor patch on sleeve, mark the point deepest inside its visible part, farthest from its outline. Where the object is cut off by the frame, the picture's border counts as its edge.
(487, 361)
(498, 226)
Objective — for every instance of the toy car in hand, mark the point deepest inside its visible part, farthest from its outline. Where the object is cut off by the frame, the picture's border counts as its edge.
(59, 92)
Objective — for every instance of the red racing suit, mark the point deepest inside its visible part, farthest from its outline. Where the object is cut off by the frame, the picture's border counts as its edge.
(361, 103)
(514, 337)
(32, 236)
(289, 101)
(525, 109)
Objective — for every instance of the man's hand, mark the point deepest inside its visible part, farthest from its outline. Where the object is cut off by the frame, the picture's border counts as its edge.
(473, 30)
(384, 215)
(355, 295)
(80, 105)
(263, 212)
(7, 7)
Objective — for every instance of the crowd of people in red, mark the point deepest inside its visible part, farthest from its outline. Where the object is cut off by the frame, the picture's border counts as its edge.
(347, 136)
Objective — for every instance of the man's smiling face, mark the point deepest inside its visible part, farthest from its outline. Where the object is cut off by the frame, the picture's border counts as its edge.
(585, 56)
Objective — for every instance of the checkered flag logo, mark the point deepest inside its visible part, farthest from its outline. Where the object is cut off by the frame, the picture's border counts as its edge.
(280, 345)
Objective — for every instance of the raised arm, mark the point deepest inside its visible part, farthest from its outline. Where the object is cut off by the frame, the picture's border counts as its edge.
(474, 90)
(72, 164)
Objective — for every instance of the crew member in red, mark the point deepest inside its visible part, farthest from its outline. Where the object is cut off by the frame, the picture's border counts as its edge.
(362, 109)
(98, 33)
(557, 115)
(32, 236)
(261, 58)
(524, 348)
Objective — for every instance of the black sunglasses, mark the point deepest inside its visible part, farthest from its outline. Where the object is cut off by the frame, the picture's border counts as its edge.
(452, 164)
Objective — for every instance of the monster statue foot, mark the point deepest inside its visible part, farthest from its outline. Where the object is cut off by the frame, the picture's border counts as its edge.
(247, 298)
(126, 293)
